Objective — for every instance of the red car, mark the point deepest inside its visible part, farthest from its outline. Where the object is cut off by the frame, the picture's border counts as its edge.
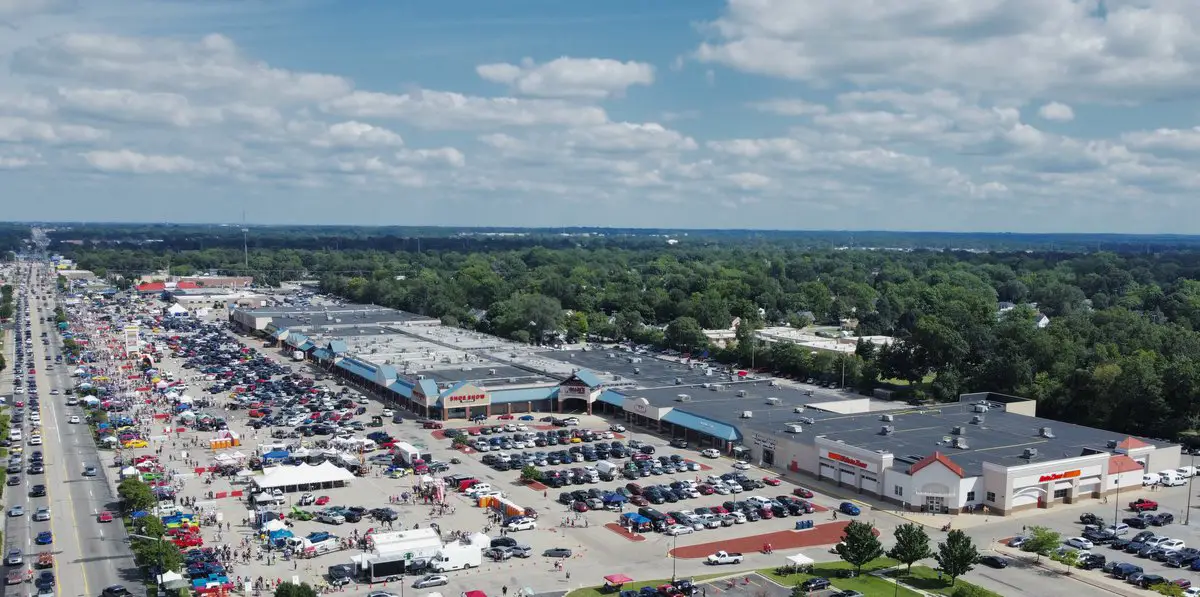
(772, 481)
(802, 492)
(506, 417)
(719, 509)
(704, 489)
(579, 507)
(191, 540)
(1142, 505)
(106, 516)
(766, 513)
(321, 501)
(638, 500)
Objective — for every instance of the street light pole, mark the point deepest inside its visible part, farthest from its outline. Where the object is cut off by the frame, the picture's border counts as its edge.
(674, 543)
(1187, 514)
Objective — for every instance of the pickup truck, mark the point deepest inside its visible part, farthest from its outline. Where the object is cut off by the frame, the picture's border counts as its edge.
(724, 557)
(1143, 504)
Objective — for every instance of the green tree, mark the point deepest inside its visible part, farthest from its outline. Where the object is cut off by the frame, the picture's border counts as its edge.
(684, 334)
(957, 555)
(859, 545)
(1041, 540)
(151, 526)
(912, 545)
(288, 589)
(1070, 559)
(969, 590)
(531, 473)
(135, 495)
(156, 552)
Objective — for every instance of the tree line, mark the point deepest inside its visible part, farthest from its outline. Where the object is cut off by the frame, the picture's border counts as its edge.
(1120, 350)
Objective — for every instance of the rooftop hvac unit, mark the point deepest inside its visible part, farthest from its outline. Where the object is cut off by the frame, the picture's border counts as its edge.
(678, 381)
(708, 371)
(491, 371)
(706, 385)
(774, 384)
(1029, 453)
(691, 366)
(615, 376)
(976, 420)
(612, 355)
(793, 428)
(420, 376)
(887, 430)
(798, 409)
(717, 387)
(981, 408)
(773, 401)
(747, 414)
(683, 398)
(1045, 432)
(887, 418)
(957, 430)
(741, 393)
(512, 380)
(1112, 443)
(637, 370)
(960, 443)
(808, 420)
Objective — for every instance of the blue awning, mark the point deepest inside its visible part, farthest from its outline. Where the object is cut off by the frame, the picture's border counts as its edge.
(357, 367)
(523, 395)
(702, 425)
(321, 354)
(401, 388)
(306, 346)
(611, 397)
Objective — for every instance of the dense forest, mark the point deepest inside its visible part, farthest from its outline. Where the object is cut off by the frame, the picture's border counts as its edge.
(1121, 351)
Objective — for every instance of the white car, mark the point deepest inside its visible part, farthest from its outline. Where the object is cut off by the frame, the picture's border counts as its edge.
(1080, 543)
(73, 419)
(678, 529)
(617, 428)
(710, 453)
(720, 489)
(387, 412)
(742, 465)
(522, 525)
(35, 440)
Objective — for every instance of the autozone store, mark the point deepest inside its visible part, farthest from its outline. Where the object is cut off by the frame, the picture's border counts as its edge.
(1044, 484)
(853, 467)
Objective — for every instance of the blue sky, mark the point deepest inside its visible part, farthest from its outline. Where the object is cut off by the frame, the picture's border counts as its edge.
(988, 115)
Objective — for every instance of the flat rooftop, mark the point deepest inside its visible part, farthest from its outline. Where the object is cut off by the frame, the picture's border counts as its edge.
(1000, 438)
(414, 355)
(638, 370)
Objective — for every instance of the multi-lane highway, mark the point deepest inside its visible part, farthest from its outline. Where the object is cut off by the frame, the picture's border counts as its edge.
(89, 555)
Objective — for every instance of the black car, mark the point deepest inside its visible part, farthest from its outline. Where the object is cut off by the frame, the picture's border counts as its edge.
(1089, 518)
(1162, 518)
(37, 491)
(994, 562)
(1092, 561)
(1135, 522)
(816, 584)
(1099, 536)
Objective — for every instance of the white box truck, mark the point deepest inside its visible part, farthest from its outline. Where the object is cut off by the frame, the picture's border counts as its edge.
(456, 556)
(297, 355)
(607, 468)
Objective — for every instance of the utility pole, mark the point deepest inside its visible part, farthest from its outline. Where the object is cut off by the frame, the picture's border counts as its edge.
(245, 241)
(1188, 513)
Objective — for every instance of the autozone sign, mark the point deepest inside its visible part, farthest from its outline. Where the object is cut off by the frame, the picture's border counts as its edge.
(468, 398)
(1060, 476)
(850, 460)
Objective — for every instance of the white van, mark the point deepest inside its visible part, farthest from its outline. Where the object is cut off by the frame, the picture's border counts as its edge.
(478, 488)
(1186, 471)
(1150, 479)
(1171, 479)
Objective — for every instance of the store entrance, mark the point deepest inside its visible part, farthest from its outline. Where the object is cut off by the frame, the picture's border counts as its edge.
(768, 457)
(935, 504)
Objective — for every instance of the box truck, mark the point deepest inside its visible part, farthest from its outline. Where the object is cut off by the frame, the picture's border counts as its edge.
(457, 556)
(297, 355)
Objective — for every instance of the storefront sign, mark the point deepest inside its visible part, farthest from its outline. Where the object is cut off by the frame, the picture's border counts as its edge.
(574, 391)
(467, 395)
(846, 460)
(642, 407)
(764, 441)
(1051, 476)
(1059, 476)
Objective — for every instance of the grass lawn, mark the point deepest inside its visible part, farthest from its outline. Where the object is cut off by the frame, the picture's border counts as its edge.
(634, 586)
(926, 579)
(903, 382)
(867, 585)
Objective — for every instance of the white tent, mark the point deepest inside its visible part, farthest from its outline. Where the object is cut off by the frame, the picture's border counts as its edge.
(177, 310)
(800, 560)
(289, 476)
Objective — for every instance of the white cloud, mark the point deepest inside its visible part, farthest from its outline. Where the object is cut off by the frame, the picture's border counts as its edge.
(749, 180)
(628, 136)
(448, 110)
(447, 156)
(15, 129)
(790, 107)
(1165, 140)
(212, 65)
(356, 134)
(1030, 47)
(133, 106)
(569, 77)
(25, 103)
(1057, 112)
(126, 161)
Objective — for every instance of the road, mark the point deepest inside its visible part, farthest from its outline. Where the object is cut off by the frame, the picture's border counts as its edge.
(89, 556)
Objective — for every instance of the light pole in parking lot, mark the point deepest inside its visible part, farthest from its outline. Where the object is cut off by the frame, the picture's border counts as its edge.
(1188, 512)
(674, 543)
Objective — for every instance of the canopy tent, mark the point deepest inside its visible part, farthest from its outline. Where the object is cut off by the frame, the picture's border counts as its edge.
(617, 579)
(302, 476)
(800, 560)
(177, 310)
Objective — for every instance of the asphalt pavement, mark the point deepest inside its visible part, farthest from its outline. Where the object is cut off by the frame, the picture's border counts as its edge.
(89, 556)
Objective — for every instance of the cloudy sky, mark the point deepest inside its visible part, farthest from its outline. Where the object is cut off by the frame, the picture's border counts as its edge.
(975, 115)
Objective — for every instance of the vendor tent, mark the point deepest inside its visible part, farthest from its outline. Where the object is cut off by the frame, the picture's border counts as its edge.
(800, 560)
(177, 310)
(294, 478)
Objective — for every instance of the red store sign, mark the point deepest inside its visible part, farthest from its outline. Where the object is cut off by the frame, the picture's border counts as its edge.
(468, 398)
(1059, 476)
(847, 460)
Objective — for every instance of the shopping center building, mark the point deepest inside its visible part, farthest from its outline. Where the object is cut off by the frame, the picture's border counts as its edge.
(987, 451)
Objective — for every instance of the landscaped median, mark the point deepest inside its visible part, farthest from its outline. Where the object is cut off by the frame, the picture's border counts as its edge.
(868, 583)
(928, 580)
